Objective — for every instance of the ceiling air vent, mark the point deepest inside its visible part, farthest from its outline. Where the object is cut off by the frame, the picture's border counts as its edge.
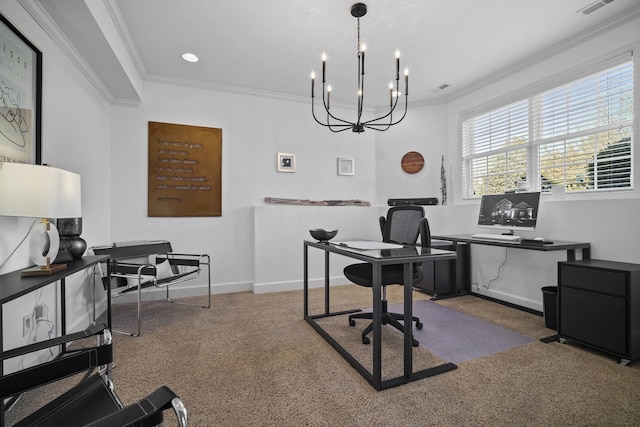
(594, 6)
(438, 88)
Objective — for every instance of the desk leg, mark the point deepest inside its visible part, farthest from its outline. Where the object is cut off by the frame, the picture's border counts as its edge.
(408, 324)
(305, 280)
(377, 325)
(586, 253)
(326, 282)
(63, 313)
(109, 322)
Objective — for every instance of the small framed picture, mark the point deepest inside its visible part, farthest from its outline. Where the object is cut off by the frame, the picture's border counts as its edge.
(345, 166)
(286, 162)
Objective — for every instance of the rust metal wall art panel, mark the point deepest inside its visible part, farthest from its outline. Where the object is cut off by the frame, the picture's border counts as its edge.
(185, 170)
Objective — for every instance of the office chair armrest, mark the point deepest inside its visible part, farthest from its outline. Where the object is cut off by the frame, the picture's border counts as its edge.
(148, 409)
(425, 233)
(382, 221)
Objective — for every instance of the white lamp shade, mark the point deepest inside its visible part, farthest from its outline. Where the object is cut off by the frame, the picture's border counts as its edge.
(39, 191)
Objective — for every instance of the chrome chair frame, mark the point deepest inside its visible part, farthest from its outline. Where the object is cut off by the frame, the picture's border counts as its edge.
(145, 275)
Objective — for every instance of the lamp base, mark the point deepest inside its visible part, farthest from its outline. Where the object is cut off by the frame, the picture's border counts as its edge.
(45, 270)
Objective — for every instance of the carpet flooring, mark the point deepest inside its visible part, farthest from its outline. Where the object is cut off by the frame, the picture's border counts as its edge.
(251, 360)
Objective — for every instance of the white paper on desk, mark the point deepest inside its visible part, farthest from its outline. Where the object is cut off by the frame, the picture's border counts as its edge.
(368, 245)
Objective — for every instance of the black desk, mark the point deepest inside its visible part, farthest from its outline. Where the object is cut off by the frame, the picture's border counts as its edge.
(377, 258)
(461, 244)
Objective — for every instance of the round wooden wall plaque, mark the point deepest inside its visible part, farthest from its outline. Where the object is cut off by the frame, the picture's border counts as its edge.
(412, 162)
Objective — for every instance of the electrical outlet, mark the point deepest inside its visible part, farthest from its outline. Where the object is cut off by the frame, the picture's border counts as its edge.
(27, 324)
(40, 311)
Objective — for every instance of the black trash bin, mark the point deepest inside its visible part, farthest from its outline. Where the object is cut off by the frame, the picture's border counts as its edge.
(550, 306)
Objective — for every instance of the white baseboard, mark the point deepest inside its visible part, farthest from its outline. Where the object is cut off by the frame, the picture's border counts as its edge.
(510, 298)
(185, 291)
(226, 288)
(297, 285)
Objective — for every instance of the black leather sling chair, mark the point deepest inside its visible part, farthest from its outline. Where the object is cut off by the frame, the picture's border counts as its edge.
(150, 264)
(93, 400)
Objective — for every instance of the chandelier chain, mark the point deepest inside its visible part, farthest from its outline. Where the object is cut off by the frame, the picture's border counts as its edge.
(358, 47)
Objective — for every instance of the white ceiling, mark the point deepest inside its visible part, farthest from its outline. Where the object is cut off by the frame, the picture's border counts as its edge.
(271, 46)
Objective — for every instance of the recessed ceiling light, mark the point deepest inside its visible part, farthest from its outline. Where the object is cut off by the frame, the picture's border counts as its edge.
(190, 57)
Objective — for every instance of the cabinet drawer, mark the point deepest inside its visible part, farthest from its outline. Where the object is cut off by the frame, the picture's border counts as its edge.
(590, 279)
(595, 319)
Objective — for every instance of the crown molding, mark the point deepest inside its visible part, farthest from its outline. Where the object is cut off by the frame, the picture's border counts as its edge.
(121, 26)
(42, 18)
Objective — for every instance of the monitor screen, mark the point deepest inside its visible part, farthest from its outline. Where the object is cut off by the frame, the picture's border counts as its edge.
(509, 211)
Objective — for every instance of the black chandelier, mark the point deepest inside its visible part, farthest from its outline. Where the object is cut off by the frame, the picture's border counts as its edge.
(382, 123)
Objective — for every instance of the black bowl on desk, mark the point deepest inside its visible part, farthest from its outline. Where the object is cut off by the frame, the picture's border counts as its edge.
(323, 235)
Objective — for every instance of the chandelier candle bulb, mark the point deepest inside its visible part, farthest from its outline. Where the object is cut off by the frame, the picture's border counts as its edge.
(324, 65)
(406, 81)
(397, 65)
(313, 83)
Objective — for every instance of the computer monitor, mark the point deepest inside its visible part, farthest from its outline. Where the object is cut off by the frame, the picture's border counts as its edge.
(509, 211)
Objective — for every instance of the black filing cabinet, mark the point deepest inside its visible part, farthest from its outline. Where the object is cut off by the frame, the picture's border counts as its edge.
(444, 278)
(599, 306)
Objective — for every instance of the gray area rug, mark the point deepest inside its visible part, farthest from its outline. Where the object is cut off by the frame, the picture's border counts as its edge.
(457, 337)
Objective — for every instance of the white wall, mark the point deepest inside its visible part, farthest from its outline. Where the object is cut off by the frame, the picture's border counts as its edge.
(422, 130)
(254, 130)
(75, 137)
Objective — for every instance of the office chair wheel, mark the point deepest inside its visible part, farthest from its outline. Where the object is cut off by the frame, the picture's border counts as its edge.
(415, 343)
(352, 322)
(419, 325)
(366, 341)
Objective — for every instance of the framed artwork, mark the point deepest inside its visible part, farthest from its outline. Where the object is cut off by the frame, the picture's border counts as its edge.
(345, 166)
(20, 96)
(286, 162)
(185, 170)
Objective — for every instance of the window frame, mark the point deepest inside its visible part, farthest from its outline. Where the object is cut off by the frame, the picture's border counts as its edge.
(532, 96)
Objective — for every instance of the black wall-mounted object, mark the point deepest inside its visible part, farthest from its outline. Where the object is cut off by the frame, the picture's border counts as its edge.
(413, 201)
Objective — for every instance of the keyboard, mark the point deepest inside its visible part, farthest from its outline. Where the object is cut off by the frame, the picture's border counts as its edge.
(498, 237)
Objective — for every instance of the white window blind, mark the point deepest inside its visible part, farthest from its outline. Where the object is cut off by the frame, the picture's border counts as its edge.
(578, 135)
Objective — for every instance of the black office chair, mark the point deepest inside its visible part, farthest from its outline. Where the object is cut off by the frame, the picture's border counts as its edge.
(402, 226)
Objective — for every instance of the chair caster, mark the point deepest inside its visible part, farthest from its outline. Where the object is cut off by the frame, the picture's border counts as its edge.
(416, 343)
(419, 325)
(366, 341)
(352, 322)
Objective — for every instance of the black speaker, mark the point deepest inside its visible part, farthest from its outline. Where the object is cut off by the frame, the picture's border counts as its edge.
(414, 201)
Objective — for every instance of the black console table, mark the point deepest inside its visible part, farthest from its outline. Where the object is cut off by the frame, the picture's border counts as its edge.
(13, 285)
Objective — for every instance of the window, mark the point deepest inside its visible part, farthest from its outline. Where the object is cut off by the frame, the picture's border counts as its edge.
(578, 136)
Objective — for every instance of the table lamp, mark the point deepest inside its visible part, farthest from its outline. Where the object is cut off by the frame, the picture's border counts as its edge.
(40, 192)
